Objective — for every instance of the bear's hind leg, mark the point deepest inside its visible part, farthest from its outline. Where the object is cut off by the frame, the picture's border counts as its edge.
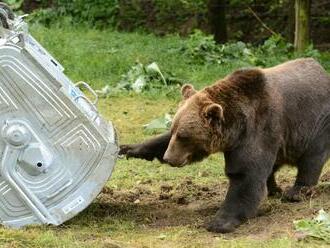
(309, 170)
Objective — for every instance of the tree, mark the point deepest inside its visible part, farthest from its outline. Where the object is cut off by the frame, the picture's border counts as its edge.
(290, 21)
(302, 10)
(217, 19)
(29, 5)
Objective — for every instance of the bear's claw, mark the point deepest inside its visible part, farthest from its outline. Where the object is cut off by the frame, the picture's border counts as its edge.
(124, 149)
(298, 193)
(134, 151)
(223, 225)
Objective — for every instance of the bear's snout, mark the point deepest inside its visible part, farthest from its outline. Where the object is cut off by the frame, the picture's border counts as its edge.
(175, 161)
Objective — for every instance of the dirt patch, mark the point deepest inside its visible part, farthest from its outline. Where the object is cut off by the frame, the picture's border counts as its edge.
(188, 192)
(168, 205)
(182, 194)
(191, 204)
(325, 177)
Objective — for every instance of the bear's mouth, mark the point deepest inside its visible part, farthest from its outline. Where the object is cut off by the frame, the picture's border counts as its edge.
(185, 162)
(189, 159)
(192, 158)
(197, 157)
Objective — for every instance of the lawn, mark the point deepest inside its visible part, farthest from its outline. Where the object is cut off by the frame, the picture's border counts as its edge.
(147, 204)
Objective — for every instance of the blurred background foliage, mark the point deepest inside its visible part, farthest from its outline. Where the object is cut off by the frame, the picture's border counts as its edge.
(183, 16)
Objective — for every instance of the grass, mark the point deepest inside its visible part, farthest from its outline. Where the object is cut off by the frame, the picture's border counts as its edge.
(147, 204)
(101, 57)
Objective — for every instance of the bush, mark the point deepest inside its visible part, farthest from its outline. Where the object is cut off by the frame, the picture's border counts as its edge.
(176, 16)
(202, 49)
(96, 13)
(157, 16)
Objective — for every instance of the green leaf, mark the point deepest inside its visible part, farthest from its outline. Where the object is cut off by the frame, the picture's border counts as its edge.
(302, 225)
(323, 217)
(154, 68)
(163, 122)
(318, 228)
(139, 84)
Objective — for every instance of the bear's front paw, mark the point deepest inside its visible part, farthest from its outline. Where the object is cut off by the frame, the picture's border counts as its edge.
(123, 149)
(223, 225)
(128, 150)
(298, 193)
(135, 151)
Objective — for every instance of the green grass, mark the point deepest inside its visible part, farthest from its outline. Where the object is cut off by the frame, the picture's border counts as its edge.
(135, 210)
(101, 57)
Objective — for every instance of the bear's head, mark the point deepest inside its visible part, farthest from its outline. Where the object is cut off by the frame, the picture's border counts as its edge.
(196, 129)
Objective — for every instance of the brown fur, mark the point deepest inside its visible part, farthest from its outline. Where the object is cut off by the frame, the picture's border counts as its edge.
(260, 119)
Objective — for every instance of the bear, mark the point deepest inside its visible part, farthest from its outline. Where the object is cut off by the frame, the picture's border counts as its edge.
(260, 119)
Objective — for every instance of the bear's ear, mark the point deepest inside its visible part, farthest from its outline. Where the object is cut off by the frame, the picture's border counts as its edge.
(187, 91)
(214, 114)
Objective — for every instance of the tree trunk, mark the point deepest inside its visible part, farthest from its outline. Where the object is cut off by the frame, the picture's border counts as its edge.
(29, 5)
(291, 21)
(302, 10)
(217, 19)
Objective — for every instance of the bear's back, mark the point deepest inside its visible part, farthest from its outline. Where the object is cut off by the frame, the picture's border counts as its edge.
(297, 76)
(299, 85)
(301, 91)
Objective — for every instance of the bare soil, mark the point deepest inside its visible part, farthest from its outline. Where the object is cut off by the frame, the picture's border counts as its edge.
(191, 204)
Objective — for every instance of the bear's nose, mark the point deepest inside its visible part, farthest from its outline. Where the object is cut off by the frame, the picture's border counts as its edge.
(167, 158)
(172, 161)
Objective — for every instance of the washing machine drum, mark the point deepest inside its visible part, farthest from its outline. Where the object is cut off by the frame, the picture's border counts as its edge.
(57, 152)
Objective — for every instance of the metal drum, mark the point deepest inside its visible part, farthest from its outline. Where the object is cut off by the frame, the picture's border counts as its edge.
(57, 152)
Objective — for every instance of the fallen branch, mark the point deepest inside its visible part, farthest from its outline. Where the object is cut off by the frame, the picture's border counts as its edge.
(261, 22)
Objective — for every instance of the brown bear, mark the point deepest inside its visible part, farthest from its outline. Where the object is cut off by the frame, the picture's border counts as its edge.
(260, 119)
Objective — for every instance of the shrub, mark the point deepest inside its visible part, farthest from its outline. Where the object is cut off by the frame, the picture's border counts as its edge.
(202, 49)
(96, 13)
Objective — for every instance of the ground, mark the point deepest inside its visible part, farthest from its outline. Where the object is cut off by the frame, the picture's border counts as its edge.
(148, 204)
